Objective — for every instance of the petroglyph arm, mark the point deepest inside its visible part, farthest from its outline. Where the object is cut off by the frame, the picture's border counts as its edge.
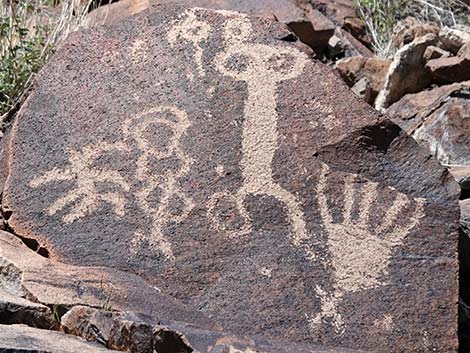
(84, 198)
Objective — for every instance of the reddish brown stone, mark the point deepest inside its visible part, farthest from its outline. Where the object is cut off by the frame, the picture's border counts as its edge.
(453, 69)
(285, 11)
(439, 120)
(409, 29)
(233, 172)
(357, 68)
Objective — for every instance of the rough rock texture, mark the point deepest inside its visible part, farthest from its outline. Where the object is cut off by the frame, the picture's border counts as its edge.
(316, 31)
(337, 10)
(351, 46)
(439, 120)
(433, 52)
(130, 332)
(16, 310)
(26, 274)
(24, 339)
(407, 72)
(453, 39)
(452, 69)
(355, 69)
(203, 152)
(285, 11)
(409, 29)
(137, 333)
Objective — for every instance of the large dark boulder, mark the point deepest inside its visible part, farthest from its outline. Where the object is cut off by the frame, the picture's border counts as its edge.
(200, 150)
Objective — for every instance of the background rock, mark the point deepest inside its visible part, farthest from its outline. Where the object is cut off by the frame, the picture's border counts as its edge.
(24, 273)
(451, 69)
(454, 38)
(354, 69)
(406, 73)
(20, 338)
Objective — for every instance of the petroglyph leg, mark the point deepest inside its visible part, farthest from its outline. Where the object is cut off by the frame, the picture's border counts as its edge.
(265, 67)
(166, 180)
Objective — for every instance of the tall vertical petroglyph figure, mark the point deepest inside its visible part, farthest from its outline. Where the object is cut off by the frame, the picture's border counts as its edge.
(360, 253)
(262, 67)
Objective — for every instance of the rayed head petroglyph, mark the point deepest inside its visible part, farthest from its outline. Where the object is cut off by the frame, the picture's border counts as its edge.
(196, 32)
(167, 180)
(84, 199)
(360, 253)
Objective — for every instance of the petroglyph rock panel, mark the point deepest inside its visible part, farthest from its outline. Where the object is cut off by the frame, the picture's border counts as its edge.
(198, 149)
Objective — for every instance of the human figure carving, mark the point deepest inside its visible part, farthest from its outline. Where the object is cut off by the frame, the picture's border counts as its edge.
(263, 67)
(167, 181)
(359, 254)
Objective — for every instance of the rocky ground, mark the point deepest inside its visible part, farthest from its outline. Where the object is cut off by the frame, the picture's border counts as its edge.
(239, 177)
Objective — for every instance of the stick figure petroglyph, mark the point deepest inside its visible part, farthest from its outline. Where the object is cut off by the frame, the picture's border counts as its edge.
(359, 254)
(194, 31)
(167, 180)
(262, 67)
(84, 198)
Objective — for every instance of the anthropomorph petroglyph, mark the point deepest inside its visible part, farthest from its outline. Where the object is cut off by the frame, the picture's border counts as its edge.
(84, 199)
(359, 254)
(166, 181)
(194, 31)
(262, 67)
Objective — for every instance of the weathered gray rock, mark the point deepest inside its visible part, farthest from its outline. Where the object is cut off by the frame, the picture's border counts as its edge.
(137, 333)
(407, 73)
(24, 339)
(451, 69)
(358, 68)
(16, 310)
(439, 120)
(454, 38)
(199, 150)
(26, 274)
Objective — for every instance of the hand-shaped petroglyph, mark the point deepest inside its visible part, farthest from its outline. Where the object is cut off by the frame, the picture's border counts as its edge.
(167, 180)
(85, 198)
(194, 31)
(262, 67)
(360, 254)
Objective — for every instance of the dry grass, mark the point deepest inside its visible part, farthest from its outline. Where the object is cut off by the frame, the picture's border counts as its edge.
(381, 17)
(30, 30)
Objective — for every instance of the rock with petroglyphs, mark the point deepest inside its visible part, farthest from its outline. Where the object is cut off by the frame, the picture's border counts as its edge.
(199, 150)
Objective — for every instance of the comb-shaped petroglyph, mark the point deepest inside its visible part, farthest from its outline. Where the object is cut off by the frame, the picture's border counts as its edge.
(166, 181)
(359, 254)
(196, 32)
(84, 198)
(262, 67)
